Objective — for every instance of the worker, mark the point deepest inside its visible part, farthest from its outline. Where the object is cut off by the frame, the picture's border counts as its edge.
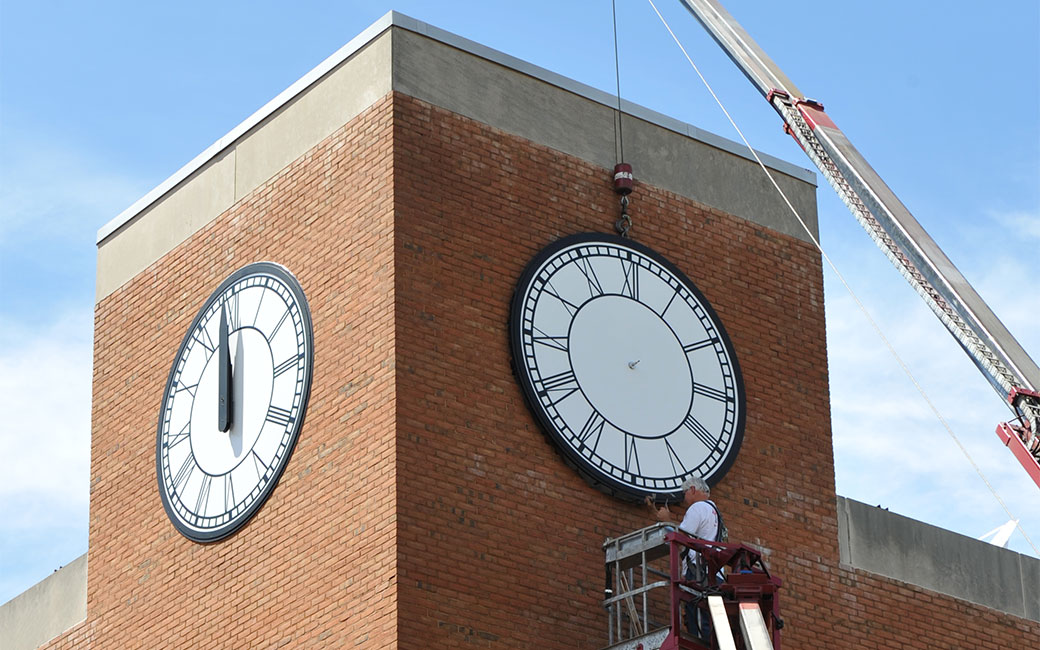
(701, 520)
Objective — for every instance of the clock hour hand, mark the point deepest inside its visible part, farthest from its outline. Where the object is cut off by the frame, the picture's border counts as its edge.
(224, 398)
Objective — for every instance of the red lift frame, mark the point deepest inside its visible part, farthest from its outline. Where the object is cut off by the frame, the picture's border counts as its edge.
(748, 581)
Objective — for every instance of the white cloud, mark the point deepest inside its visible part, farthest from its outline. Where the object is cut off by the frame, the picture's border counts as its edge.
(49, 191)
(45, 375)
(52, 201)
(1020, 223)
(890, 449)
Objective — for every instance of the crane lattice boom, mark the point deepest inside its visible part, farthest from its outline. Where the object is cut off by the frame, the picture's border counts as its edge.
(1000, 358)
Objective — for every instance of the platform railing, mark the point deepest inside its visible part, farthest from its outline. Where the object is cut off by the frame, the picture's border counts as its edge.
(646, 593)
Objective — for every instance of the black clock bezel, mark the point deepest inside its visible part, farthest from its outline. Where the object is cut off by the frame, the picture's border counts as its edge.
(293, 285)
(592, 475)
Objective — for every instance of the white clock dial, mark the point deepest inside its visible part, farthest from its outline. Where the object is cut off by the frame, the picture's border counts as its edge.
(626, 366)
(215, 469)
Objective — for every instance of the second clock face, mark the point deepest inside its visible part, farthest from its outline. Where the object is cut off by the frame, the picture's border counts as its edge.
(234, 402)
(626, 366)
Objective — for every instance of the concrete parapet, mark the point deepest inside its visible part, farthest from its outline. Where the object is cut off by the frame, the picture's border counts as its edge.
(882, 542)
(46, 609)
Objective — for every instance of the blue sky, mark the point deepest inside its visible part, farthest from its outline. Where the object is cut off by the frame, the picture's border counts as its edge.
(100, 102)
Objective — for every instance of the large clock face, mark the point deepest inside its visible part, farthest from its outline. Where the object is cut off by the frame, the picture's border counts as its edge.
(234, 402)
(626, 366)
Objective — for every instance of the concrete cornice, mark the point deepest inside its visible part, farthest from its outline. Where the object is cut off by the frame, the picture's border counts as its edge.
(395, 19)
(253, 120)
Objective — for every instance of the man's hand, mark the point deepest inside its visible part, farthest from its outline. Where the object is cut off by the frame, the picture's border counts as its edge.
(661, 514)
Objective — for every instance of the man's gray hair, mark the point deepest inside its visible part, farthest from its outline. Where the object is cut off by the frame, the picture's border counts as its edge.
(696, 482)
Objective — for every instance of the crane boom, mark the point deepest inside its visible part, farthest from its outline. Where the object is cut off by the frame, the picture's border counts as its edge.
(1001, 359)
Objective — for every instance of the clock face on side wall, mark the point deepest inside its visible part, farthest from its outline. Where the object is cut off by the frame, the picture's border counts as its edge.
(234, 402)
(626, 366)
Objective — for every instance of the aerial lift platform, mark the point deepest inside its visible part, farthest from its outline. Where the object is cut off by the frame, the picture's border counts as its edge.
(646, 595)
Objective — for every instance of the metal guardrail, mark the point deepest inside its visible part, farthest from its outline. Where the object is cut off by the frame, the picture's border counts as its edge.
(646, 593)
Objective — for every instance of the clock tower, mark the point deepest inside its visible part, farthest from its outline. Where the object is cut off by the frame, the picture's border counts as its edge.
(375, 371)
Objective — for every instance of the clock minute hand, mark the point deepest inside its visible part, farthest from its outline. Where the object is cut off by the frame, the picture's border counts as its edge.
(224, 397)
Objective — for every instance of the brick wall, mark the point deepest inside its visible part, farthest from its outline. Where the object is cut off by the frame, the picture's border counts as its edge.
(315, 567)
(423, 507)
(500, 542)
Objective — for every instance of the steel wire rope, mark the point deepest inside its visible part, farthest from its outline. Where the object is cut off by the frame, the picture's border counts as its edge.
(624, 223)
(619, 139)
(855, 298)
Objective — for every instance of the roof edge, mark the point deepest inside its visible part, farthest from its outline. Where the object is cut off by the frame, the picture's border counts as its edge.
(283, 98)
(396, 19)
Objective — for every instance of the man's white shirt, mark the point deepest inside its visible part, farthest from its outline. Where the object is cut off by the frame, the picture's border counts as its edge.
(701, 521)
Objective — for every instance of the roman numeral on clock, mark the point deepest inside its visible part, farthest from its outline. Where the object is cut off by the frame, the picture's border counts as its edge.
(207, 481)
(232, 312)
(260, 466)
(705, 436)
(555, 342)
(594, 425)
(229, 492)
(278, 326)
(564, 382)
(204, 339)
(291, 362)
(568, 305)
(631, 455)
(670, 301)
(699, 345)
(279, 416)
(184, 473)
(631, 273)
(190, 389)
(259, 304)
(561, 381)
(707, 391)
(673, 458)
(585, 266)
(179, 437)
(538, 336)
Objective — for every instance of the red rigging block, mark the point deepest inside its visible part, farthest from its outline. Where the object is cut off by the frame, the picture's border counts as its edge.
(623, 178)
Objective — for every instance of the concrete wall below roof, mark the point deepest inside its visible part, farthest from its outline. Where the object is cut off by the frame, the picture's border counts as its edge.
(875, 540)
(45, 610)
(572, 118)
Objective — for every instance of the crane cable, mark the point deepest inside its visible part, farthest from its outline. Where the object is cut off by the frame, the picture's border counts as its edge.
(852, 293)
(623, 179)
(619, 140)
